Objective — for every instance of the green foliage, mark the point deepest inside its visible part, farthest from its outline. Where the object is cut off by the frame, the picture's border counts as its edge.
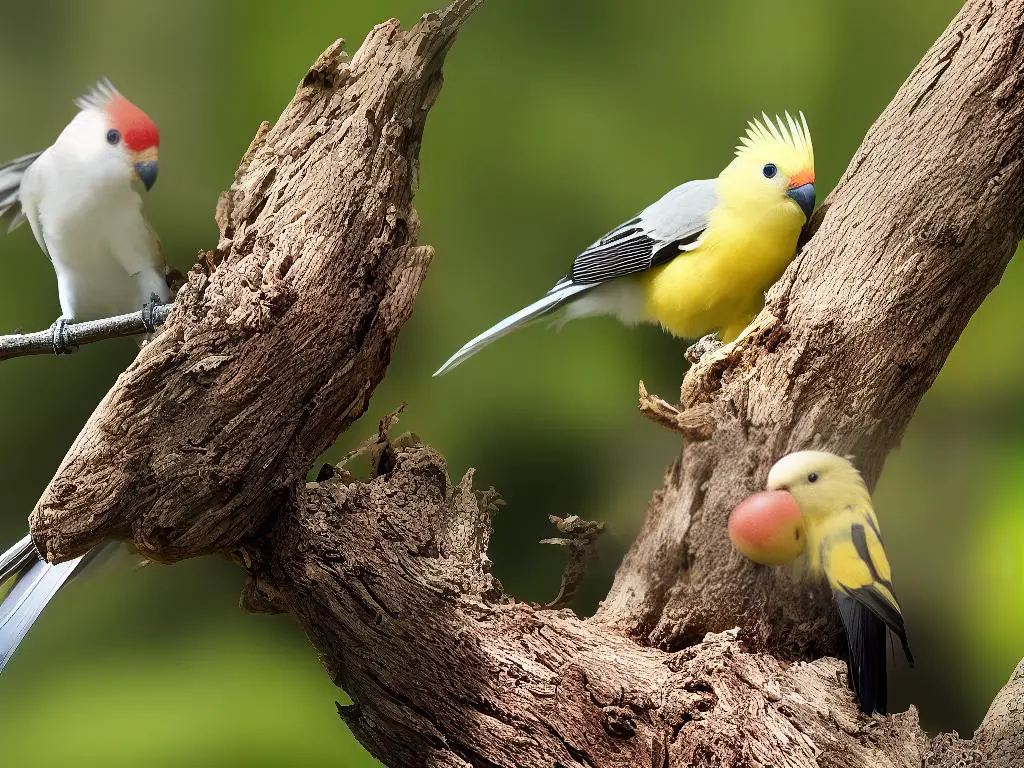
(557, 120)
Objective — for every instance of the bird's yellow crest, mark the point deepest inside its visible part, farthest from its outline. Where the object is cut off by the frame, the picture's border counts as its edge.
(789, 141)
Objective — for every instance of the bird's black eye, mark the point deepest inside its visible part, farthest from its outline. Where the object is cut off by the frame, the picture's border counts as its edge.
(113, 136)
(769, 171)
(812, 478)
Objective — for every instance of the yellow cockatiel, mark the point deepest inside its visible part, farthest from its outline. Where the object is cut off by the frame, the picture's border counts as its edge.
(698, 260)
(843, 542)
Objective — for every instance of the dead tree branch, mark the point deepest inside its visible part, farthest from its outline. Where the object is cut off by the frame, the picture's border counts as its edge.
(203, 444)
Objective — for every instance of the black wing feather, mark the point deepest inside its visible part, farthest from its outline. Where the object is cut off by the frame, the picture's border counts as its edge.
(654, 236)
(622, 252)
(885, 614)
(874, 601)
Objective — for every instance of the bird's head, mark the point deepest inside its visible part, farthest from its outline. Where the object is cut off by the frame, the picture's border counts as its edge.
(114, 136)
(774, 167)
(772, 526)
(821, 482)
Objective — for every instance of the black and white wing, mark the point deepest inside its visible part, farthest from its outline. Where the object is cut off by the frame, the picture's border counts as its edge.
(10, 184)
(656, 235)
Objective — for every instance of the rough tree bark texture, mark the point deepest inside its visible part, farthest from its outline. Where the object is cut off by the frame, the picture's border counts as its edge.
(279, 339)
(915, 235)
(280, 336)
(390, 578)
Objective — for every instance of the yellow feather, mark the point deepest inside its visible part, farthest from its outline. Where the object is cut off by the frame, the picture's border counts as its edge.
(842, 566)
(835, 508)
(843, 543)
(750, 239)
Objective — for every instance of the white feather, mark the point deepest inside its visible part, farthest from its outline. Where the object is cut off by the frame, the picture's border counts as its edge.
(86, 216)
(622, 299)
(33, 589)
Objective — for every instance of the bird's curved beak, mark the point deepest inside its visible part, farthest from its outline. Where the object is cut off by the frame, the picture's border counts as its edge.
(146, 171)
(801, 189)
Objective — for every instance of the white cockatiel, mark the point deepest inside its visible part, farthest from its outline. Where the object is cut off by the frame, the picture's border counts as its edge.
(85, 213)
(79, 199)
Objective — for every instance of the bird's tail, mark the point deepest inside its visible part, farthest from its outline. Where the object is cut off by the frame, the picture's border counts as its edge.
(10, 184)
(865, 639)
(30, 583)
(554, 299)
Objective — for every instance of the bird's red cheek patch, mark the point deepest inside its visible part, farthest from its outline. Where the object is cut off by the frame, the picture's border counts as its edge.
(767, 527)
(137, 131)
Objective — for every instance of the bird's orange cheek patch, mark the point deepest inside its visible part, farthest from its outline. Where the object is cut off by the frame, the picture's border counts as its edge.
(801, 178)
(767, 527)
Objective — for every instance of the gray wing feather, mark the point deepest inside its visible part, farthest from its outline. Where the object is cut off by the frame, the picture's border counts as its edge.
(681, 212)
(10, 185)
(36, 584)
(657, 234)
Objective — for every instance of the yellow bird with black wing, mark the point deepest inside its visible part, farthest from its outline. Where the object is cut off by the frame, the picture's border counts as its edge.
(838, 531)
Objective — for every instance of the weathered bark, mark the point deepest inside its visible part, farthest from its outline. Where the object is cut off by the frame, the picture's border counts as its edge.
(390, 579)
(912, 239)
(279, 338)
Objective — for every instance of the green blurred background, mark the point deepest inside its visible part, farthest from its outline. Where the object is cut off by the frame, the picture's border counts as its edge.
(557, 121)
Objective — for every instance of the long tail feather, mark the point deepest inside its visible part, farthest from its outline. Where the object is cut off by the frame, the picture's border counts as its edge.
(865, 639)
(35, 584)
(16, 559)
(550, 302)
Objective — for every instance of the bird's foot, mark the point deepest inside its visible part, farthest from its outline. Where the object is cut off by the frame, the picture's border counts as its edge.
(709, 344)
(60, 338)
(718, 352)
(149, 312)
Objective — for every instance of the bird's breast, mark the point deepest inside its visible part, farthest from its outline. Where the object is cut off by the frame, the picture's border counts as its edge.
(720, 285)
(97, 247)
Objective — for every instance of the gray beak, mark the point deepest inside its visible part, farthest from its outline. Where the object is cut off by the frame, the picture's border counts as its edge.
(147, 170)
(804, 196)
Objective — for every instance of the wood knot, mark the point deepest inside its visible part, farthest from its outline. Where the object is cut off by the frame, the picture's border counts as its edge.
(618, 722)
(580, 542)
(714, 359)
(941, 233)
